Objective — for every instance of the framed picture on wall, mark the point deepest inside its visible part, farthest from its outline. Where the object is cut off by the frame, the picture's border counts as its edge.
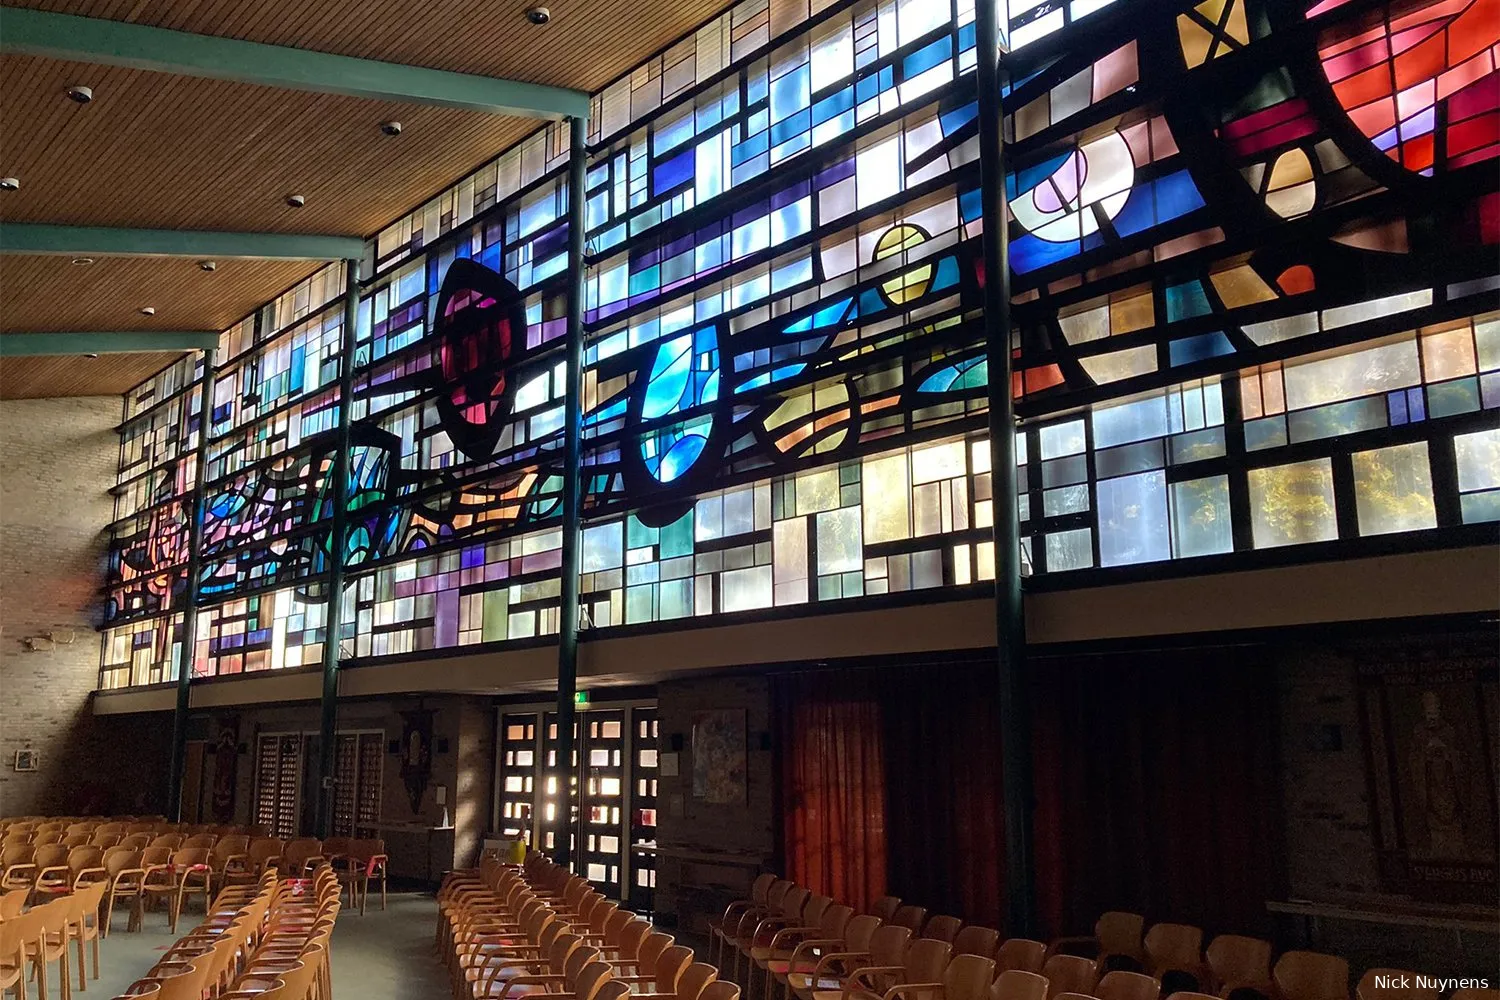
(1429, 735)
(719, 756)
(27, 760)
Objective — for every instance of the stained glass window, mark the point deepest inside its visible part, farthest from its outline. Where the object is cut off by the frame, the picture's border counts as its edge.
(1256, 309)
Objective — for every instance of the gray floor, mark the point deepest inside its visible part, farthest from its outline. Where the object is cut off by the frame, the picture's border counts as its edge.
(380, 956)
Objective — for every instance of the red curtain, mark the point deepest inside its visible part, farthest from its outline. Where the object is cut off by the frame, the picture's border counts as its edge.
(891, 784)
(833, 802)
(1157, 788)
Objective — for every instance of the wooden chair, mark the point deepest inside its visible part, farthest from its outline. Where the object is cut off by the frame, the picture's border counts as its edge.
(203, 840)
(885, 908)
(300, 857)
(17, 861)
(1174, 955)
(1021, 955)
(1070, 974)
(366, 860)
(135, 841)
(87, 925)
(19, 934)
(888, 947)
(187, 872)
(262, 855)
(1236, 962)
(51, 945)
(967, 977)
(730, 920)
(1369, 988)
(757, 929)
(976, 940)
(1309, 975)
(1017, 984)
(105, 841)
(171, 841)
(718, 990)
(942, 928)
(1116, 942)
(784, 933)
(782, 954)
(1122, 985)
(690, 985)
(924, 962)
(231, 847)
(71, 840)
(47, 858)
(798, 974)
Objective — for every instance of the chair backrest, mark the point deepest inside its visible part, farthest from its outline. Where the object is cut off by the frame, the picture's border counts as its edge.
(48, 837)
(171, 841)
(976, 940)
(1069, 974)
(233, 844)
(1121, 985)
(942, 928)
(365, 849)
(813, 910)
(1233, 958)
(16, 853)
(301, 849)
(83, 857)
(718, 990)
(858, 930)
(1119, 933)
(11, 905)
(926, 959)
(694, 979)
(885, 907)
(1173, 946)
(1393, 984)
(760, 887)
(968, 977)
(888, 945)
(631, 935)
(203, 840)
(1017, 984)
(156, 856)
(835, 921)
(75, 839)
(336, 845)
(795, 899)
(650, 950)
(265, 849)
(590, 978)
(1309, 975)
(612, 989)
(669, 966)
(909, 916)
(135, 841)
(189, 856)
(117, 859)
(50, 856)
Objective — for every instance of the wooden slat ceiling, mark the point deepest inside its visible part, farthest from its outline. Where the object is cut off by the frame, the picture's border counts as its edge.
(160, 151)
(107, 375)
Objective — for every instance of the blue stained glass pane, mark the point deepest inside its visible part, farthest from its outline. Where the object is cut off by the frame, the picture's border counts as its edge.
(1396, 406)
(1267, 433)
(1478, 507)
(871, 86)
(791, 93)
(1186, 300)
(969, 204)
(927, 57)
(792, 127)
(947, 274)
(1025, 180)
(677, 170)
(1133, 519)
(1029, 253)
(680, 457)
(1176, 196)
(833, 106)
(1200, 348)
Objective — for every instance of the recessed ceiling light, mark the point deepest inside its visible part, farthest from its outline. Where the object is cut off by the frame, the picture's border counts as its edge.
(391, 128)
(10, 183)
(207, 265)
(82, 261)
(80, 95)
(148, 310)
(92, 357)
(539, 16)
(295, 200)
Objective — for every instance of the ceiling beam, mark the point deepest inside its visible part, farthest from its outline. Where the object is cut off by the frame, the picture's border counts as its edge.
(139, 46)
(29, 345)
(39, 238)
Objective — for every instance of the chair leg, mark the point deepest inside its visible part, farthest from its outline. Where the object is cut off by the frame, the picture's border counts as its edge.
(83, 975)
(382, 888)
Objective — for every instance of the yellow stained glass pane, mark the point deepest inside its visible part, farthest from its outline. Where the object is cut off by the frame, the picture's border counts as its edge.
(1393, 489)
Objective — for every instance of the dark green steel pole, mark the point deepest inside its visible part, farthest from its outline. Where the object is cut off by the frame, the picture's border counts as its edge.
(567, 624)
(339, 471)
(190, 612)
(1010, 617)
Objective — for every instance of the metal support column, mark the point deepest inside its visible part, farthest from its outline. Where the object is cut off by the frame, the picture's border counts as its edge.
(339, 473)
(190, 611)
(1010, 619)
(567, 625)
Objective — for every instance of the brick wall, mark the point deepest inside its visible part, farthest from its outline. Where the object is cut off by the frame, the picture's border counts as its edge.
(57, 463)
(722, 846)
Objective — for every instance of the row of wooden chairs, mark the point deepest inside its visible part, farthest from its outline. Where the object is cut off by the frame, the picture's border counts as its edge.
(34, 940)
(816, 949)
(79, 831)
(171, 865)
(506, 931)
(266, 941)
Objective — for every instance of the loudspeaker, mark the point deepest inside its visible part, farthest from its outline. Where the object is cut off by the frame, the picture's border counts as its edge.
(675, 741)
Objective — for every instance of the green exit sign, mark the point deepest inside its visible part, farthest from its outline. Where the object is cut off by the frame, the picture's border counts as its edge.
(580, 697)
